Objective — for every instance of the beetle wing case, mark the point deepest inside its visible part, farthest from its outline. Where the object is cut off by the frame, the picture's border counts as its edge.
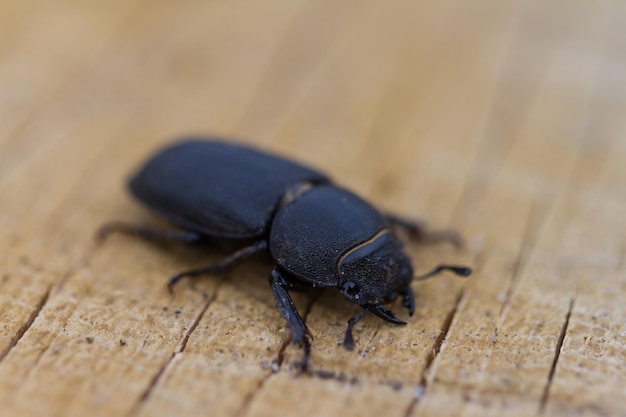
(309, 235)
(218, 189)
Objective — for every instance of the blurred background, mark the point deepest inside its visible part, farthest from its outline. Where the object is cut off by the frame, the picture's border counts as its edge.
(356, 87)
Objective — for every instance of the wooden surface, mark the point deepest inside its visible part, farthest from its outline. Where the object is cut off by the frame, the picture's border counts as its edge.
(504, 120)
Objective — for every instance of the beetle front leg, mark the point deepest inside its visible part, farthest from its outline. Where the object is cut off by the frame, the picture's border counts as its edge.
(418, 232)
(408, 300)
(297, 329)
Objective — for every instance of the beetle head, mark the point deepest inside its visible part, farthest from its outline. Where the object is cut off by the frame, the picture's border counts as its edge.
(376, 271)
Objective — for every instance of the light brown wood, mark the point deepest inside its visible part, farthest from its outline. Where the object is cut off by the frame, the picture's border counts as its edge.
(504, 120)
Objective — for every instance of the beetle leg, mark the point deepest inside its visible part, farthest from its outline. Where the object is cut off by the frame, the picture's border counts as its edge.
(147, 233)
(417, 232)
(461, 271)
(221, 266)
(408, 300)
(297, 329)
(348, 340)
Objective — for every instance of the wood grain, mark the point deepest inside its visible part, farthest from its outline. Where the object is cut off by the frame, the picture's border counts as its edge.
(502, 120)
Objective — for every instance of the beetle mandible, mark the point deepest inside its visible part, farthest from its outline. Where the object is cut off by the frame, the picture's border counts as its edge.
(317, 233)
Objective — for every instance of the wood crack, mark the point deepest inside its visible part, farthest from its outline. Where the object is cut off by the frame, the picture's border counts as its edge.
(557, 354)
(276, 363)
(144, 397)
(536, 219)
(275, 367)
(420, 389)
(27, 324)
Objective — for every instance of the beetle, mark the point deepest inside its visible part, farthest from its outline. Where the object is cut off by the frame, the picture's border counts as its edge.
(318, 234)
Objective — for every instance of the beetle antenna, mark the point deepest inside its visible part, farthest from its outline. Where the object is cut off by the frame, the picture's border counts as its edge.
(348, 340)
(461, 271)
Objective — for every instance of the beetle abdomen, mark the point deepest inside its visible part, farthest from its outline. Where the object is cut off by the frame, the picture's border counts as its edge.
(310, 235)
(218, 189)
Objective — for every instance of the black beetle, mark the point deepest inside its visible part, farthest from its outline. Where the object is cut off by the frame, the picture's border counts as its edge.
(318, 234)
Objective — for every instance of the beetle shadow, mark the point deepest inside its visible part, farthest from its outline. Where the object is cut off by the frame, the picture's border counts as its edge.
(329, 310)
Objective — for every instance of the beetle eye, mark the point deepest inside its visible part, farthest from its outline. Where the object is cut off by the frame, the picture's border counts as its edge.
(350, 288)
